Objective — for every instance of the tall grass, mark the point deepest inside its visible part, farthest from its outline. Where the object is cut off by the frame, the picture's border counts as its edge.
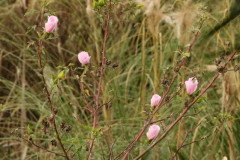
(144, 49)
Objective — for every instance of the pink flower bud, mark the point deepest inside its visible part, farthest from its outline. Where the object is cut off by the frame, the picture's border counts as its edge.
(84, 58)
(155, 100)
(51, 24)
(153, 131)
(191, 85)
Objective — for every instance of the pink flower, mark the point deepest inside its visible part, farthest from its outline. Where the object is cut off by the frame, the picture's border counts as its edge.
(51, 24)
(155, 100)
(191, 85)
(84, 58)
(153, 131)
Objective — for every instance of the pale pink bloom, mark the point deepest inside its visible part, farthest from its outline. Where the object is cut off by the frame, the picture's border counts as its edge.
(51, 24)
(153, 131)
(155, 100)
(191, 85)
(84, 58)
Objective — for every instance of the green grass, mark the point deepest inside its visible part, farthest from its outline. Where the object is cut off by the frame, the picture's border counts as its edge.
(143, 61)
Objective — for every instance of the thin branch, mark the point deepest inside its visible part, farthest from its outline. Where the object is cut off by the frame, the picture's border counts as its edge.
(49, 100)
(97, 99)
(163, 119)
(186, 144)
(182, 144)
(39, 52)
(69, 148)
(44, 149)
(111, 150)
(133, 143)
(195, 141)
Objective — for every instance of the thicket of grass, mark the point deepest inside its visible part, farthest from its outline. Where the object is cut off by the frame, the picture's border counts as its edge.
(143, 55)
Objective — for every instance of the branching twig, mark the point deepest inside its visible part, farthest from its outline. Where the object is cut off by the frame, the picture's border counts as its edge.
(182, 63)
(186, 109)
(186, 144)
(49, 99)
(95, 112)
(31, 142)
(182, 144)
(39, 52)
(132, 144)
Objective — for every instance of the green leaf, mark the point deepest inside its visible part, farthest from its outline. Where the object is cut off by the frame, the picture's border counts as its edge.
(60, 67)
(99, 3)
(202, 108)
(29, 130)
(186, 55)
(139, 5)
(44, 51)
(201, 99)
(70, 64)
(61, 74)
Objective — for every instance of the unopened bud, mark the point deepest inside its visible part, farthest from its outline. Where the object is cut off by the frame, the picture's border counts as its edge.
(68, 128)
(54, 142)
(115, 65)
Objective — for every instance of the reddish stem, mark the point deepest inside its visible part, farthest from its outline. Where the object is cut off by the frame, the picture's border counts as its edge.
(185, 110)
(97, 99)
(130, 147)
(39, 51)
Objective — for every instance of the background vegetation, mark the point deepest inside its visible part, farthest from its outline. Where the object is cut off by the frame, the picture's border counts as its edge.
(146, 39)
